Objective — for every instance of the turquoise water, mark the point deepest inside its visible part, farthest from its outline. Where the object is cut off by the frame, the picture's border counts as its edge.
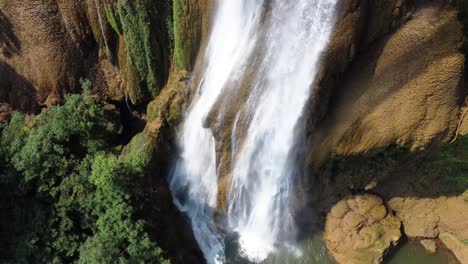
(314, 252)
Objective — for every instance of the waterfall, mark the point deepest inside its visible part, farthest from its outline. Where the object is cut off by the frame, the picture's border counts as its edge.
(194, 180)
(291, 36)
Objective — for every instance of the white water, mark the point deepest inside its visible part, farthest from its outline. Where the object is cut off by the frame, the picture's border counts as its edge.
(292, 35)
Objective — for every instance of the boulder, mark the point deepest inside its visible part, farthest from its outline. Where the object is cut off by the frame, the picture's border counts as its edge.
(430, 245)
(360, 229)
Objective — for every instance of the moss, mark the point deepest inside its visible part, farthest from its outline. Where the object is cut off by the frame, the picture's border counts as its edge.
(185, 36)
(444, 168)
(180, 10)
(140, 150)
(113, 20)
(449, 163)
(137, 33)
(142, 23)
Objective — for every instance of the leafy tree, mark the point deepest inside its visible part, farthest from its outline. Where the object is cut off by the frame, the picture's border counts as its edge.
(66, 196)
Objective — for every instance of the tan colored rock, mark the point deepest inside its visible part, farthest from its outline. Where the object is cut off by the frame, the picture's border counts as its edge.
(445, 218)
(419, 218)
(404, 88)
(458, 248)
(463, 126)
(359, 229)
(430, 245)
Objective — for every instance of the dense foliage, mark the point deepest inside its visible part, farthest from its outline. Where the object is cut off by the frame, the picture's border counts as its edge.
(66, 196)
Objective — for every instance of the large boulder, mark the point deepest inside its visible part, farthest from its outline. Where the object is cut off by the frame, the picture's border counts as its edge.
(360, 229)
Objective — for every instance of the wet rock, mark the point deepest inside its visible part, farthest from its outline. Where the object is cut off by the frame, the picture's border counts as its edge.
(360, 229)
(429, 245)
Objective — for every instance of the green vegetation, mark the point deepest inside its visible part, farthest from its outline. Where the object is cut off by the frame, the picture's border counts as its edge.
(141, 46)
(142, 23)
(449, 164)
(444, 168)
(113, 20)
(65, 196)
(182, 43)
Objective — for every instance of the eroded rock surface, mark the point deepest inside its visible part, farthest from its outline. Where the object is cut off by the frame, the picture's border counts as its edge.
(400, 82)
(430, 245)
(445, 218)
(361, 229)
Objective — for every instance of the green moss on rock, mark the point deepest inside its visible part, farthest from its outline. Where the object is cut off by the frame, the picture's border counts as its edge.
(142, 24)
(113, 19)
(181, 42)
(188, 16)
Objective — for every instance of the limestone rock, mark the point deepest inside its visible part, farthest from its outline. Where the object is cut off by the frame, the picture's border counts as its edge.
(445, 218)
(458, 248)
(402, 86)
(360, 229)
(429, 245)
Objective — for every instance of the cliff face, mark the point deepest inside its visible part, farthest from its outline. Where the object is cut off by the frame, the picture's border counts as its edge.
(393, 74)
(124, 48)
(392, 80)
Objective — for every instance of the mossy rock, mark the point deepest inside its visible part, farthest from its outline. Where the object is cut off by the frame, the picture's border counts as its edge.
(187, 27)
(172, 101)
(142, 24)
(143, 147)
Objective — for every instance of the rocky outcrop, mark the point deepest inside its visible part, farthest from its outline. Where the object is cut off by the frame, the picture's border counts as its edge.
(445, 218)
(48, 46)
(165, 223)
(156, 145)
(191, 26)
(426, 189)
(361, 229)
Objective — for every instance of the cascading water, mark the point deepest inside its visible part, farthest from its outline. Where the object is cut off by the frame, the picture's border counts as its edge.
(291, 36)
(194, 180)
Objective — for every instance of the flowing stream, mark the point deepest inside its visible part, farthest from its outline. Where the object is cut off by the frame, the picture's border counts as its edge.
(291, 36)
